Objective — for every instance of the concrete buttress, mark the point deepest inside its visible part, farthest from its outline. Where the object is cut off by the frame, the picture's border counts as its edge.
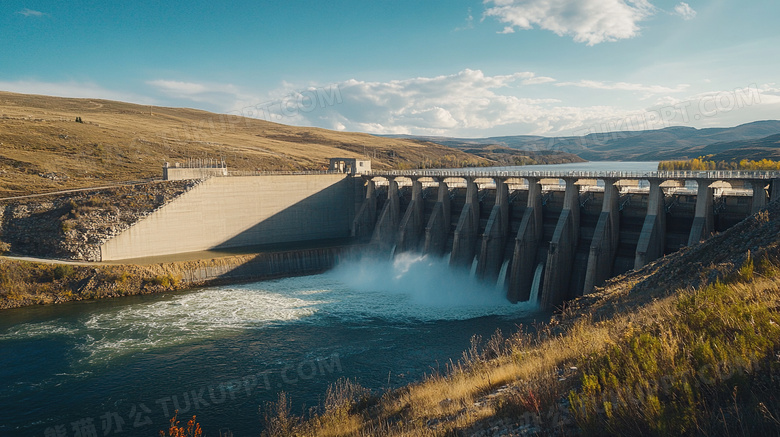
(365, 220)
(465, 238)
(604, 244)
(759, 195)
(704, 220)
(491, 254)
(652, 239)
(774, 188)
(411, 230)
(527, 241)
(438, 226)
(387, 225)
(563, 246)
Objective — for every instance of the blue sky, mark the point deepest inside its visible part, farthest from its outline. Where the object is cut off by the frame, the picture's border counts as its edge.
(431, 67)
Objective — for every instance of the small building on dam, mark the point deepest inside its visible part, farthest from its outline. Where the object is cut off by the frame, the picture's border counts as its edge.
(544, 236)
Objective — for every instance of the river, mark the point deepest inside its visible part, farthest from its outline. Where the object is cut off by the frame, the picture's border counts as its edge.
(220, 352)
(122, 366)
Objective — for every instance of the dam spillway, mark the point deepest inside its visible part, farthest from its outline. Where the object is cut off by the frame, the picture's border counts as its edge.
(552, 235)
(544, 236)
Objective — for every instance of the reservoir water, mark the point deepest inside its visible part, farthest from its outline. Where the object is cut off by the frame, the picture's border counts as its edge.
(122, 366)
(627, 166)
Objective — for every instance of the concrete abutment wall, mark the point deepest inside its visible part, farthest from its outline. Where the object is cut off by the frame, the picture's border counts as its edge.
(224, 212)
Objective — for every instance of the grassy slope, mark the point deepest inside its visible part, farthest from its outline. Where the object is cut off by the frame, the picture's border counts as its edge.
(24, 283)
(686, 346)
(42, 148)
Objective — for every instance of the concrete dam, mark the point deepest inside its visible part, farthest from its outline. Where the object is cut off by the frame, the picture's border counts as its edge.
(543, 236)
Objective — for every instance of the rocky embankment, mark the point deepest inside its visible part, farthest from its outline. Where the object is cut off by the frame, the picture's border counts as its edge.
(74, 225)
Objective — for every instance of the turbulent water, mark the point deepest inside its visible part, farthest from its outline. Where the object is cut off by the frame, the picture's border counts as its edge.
(124, 365)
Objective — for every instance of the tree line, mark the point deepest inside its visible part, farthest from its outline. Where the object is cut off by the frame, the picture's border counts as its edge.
(702, 163)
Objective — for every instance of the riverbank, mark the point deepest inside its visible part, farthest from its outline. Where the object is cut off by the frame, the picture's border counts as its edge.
(25, 283)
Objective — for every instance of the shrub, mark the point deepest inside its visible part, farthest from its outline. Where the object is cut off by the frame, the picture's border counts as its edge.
(123, 278)
(191, 430)
(278, 418)
(63, 271)
(67, 225)
(166, 281)
(746, 270)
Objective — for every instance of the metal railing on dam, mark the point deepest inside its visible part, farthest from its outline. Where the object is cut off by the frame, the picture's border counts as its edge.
(492, 173)
(277, 172)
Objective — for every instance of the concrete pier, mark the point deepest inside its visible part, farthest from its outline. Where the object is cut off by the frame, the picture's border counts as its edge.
(365, 219)
(604, 245)
(653, 236)
(387, 225)
(560, 256)
(759, 195)
(526, 244)
(465, 238)
(438, 227)
(774, 189)
(703, 221)
(491, 254)
(411, 229)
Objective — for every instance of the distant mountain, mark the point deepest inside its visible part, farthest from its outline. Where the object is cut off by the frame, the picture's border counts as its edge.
(762, 148)
(675, 142)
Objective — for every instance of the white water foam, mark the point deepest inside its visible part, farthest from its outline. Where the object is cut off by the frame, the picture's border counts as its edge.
(421, 287)
(49, 328)
(200, 315)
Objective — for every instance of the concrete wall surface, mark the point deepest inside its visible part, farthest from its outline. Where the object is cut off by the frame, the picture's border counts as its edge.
(242, 211)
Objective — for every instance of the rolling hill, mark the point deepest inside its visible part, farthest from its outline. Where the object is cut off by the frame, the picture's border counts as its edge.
(43, 148)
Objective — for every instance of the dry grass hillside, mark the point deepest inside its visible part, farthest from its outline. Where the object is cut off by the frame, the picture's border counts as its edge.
(43, 148)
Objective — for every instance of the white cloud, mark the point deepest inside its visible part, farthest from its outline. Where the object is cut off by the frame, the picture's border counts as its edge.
(472, 104)
(588, 21)
(536, 80)
(469, 22)
(216, 96)
(717, 108)
(468, 103)
(685, 11)
(178, 88)
(87, 90)
(32, 13)
(625, 86)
